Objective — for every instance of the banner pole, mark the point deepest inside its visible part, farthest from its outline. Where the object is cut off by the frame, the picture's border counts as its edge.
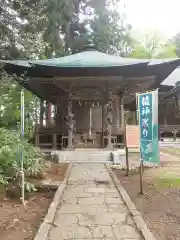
(126, 149)
(22, 153)
(141, 161)
(141, 177)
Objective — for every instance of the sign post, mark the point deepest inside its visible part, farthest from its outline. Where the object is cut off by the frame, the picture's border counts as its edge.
(148, 129)
(131, 141)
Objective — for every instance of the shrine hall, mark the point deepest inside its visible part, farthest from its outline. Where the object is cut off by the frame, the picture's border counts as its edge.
(88, 97)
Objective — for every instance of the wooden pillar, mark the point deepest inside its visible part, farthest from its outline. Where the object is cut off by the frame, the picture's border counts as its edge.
(70, 123)
(174, 132)
(165, 112)
(134, 118)
(48, 113)
(37, 139)
(90, 121)
(109, 116)
(41, 113)
(36, 112)
(54, 136)
(58, 120)
(122, 117)
(122, 112)
(165, 122)
(102, 137)
(54, 143)
(118, 113)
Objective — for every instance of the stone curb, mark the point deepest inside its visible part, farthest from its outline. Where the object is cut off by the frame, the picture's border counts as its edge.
(43, 231)
(139, 221)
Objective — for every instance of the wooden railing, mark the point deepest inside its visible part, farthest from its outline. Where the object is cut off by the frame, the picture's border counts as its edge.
(116, 130)
(56, 135)
(169, 128)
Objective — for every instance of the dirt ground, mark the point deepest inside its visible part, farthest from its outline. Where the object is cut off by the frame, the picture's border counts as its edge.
(160, 205)
(17, 222)
(56, 171)
(172, 151)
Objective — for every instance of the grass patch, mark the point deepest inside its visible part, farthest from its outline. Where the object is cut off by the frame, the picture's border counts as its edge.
(167, 182)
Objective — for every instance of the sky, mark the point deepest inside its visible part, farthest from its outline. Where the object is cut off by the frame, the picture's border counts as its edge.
(160, 15)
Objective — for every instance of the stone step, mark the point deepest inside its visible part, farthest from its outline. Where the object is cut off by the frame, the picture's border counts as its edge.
(92, 155)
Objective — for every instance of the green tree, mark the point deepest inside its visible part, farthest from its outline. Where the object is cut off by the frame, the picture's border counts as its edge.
(45, 29)
(110, 31)
(19, 38)
(176, 41)
(167, 51)
(152, 46)
(19, 29)
(67, 25)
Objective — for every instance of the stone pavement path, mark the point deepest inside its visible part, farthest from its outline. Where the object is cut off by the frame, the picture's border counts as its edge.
(91, 208)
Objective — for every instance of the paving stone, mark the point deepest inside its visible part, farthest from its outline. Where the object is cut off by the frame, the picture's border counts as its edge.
(108, 219)
(129, 220)
(86, 219)
(91, 208)
(117, 208)
(90, 201)
(111, 200)
(70, 209)
(112, 218)
(111, 190)
(95, 190)
(66, 220)
(69, 194)
(73, 209)
(106, 195)
(85, 195)
(123, 232)
(102, 232)
(73, 192)
(70, 201)
(69, 232)
(96, 185)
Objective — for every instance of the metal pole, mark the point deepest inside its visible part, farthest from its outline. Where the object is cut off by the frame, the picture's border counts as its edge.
(141, 160)
(126, 149)
(22, 155)
(141, 177)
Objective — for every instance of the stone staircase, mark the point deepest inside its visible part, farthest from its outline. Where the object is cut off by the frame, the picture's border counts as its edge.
(87, 155)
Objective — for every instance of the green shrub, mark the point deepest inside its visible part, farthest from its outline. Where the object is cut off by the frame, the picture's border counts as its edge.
(12, 148)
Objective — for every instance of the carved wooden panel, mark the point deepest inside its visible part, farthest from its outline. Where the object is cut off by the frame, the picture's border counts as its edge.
(82, 116)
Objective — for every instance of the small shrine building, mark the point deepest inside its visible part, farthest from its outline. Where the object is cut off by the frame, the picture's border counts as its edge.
(89, 92)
